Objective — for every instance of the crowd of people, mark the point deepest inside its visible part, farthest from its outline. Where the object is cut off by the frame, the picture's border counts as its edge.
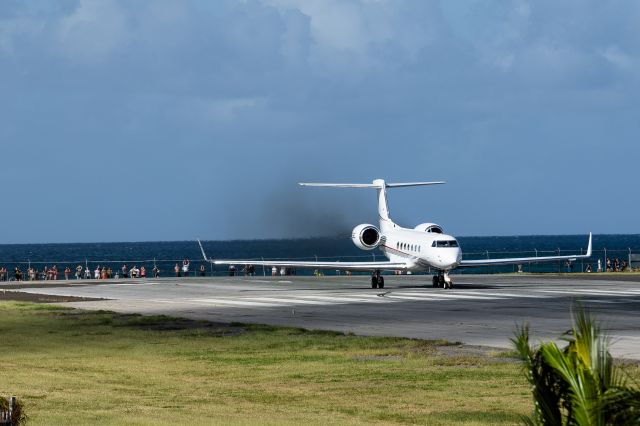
(616, 265)
(81, 272)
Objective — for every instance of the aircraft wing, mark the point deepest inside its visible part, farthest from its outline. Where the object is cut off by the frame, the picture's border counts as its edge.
(343, 266)
(520, 260)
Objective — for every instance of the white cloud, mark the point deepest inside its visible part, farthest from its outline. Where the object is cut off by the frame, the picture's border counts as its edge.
(618, 58)
(93, 31)
(348, 33)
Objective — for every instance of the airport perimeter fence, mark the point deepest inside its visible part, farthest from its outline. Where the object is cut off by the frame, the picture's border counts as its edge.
(166, 266)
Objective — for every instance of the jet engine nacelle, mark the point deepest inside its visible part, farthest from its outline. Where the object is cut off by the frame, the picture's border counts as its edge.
(366, 236)
(429, 227)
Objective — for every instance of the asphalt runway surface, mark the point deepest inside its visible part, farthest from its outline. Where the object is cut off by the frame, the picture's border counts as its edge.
(480, 310)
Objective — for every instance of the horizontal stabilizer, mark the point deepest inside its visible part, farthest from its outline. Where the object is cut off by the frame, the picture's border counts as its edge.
(378, 184)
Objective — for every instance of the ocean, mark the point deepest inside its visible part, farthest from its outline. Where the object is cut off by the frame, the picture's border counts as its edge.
(165, 254)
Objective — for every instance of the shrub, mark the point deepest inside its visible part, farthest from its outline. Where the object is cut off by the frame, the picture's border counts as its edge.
(578, 384)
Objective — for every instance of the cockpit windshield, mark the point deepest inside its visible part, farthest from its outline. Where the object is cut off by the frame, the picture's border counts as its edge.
(445, 243)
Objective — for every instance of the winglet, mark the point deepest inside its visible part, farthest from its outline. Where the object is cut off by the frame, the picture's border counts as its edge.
(589, 246)
(202, 250)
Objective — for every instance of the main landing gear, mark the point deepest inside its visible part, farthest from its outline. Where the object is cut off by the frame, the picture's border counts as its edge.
(377, 280)
(442, 280)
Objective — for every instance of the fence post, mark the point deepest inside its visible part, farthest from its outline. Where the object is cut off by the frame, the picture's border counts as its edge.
(12, 407)
(604, 263)
(488, 267)
(629, 261)
(264, 273)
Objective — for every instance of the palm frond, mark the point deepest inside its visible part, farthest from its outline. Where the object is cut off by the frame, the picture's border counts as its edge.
(578, 384)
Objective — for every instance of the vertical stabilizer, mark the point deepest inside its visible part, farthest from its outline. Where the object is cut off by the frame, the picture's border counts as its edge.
(383, 207)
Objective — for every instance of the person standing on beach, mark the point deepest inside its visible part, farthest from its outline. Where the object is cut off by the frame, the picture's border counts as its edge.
(67, 272)
(176, 269)
(185, 267)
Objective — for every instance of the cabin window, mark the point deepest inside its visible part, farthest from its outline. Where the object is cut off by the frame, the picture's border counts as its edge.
(445, 243)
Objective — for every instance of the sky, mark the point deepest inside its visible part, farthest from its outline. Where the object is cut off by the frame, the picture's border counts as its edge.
(171, 120)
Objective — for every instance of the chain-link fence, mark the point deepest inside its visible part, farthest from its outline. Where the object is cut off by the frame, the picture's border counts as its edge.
(601, 261)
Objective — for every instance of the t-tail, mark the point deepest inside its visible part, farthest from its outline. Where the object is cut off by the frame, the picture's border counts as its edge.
(381, 186)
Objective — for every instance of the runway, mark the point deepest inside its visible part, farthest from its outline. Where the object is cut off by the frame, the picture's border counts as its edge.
(480, 310)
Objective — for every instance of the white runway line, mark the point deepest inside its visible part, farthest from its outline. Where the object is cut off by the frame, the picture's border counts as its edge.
(360, 298)
(435, 296)
(506, 295)
(618, 293)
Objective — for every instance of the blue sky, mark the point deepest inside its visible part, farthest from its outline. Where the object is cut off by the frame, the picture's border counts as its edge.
(166, 120)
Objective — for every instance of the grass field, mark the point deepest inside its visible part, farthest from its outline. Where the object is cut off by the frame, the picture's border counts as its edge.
(78, 367)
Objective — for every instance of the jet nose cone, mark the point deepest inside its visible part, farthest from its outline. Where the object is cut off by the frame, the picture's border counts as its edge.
(450, 259)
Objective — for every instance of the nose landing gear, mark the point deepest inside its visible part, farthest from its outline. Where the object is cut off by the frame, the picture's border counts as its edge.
(377, 280)
(442, 280)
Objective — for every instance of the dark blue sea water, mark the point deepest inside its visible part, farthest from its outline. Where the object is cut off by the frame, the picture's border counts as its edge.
(166, 254)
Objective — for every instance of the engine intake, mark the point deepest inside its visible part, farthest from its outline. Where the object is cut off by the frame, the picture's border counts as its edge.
(431, 228)
(365, 236)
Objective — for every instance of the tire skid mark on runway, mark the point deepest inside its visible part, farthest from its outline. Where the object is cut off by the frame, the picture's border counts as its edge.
(359, 298)
(289, 301)
(236, 302)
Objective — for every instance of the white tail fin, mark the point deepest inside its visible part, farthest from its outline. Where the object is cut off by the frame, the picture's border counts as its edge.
(381, 186)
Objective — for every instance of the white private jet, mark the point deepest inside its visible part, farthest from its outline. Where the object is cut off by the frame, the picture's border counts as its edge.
(425, 247)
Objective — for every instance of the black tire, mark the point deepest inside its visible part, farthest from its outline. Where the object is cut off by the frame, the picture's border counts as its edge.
(435, 281)
(441, 282)
(374, 282)
(381, 282)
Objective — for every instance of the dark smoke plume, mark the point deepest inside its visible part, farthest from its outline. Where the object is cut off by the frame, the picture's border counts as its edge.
(298, 212)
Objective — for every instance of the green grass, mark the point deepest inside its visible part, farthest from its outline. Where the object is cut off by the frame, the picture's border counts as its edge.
(78, 367)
